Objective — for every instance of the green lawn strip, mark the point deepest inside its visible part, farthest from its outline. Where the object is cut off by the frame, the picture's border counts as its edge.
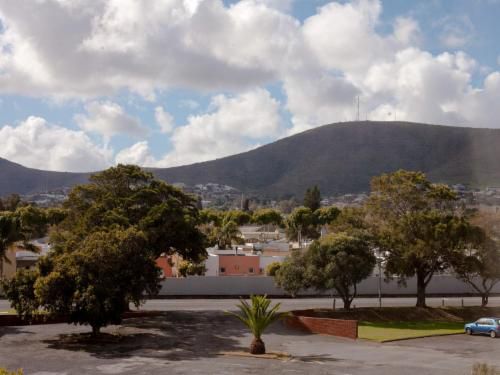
(8, 312)
(388, 331)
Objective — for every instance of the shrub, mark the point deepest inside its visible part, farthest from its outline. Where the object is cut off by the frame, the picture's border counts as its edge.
(272, 268)
(484, 369)
(7, 372)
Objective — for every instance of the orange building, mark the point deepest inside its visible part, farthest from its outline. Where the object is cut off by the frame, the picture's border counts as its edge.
(239, 265)
(165, 263)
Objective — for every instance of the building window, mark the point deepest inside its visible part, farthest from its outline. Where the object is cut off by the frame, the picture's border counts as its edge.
(250, 270)
(222, 270)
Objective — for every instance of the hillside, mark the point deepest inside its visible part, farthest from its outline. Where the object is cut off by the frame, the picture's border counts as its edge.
(14, 178)
(339, 158)
(342, 158)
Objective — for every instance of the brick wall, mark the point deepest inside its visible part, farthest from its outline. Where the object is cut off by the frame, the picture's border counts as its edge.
(326, 326)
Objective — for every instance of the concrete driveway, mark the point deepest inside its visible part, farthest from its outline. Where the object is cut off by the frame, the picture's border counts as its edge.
(190, 342)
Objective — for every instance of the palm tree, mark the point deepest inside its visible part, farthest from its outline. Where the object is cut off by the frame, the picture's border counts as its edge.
(17, 230)
(10, 233)
(257, 317)
(226, 233)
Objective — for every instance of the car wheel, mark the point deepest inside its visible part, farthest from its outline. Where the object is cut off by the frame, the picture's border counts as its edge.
(468, 331)
(493, 334)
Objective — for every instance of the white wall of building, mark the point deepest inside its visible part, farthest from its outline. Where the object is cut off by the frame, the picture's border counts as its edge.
(212, 265)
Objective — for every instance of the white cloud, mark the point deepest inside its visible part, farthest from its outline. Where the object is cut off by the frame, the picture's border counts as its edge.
(37, 144)
(96, 47)
(138, 154)
(235, 124)
(92, 49)
(109, 119)
(164, 120)
(456, 32)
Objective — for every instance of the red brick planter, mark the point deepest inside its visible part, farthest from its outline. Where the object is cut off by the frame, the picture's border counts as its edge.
(336, 327)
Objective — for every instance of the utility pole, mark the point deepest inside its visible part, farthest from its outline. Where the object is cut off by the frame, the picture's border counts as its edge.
(357, 113)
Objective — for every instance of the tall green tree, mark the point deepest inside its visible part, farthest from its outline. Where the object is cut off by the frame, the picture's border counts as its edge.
(246, 205)
(126, 196)
(337, 261)
(104, 249)
(94, 283)
(312, 198)
(479, 263)
(291, 275)
(238, 216)
(227, 233)
(417, 225)
(267, 216)
(301, 225)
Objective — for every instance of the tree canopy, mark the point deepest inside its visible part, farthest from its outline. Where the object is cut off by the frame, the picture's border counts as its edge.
(312, 198)
(337, 261)
(126, 196)
(417, 225)
(104, 249)
(478, 264)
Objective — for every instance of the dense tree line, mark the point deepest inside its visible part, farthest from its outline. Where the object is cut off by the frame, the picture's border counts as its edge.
(417, 227)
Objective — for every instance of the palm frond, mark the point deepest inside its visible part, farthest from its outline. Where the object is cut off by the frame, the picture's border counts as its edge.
(257, 316)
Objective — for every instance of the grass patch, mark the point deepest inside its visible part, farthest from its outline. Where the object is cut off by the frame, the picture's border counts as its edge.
(387, 331)
(8, 312)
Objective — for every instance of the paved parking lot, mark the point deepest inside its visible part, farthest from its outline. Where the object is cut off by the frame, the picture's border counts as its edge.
(190, 342)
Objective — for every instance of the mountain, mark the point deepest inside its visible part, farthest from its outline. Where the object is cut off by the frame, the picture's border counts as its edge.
(339, 158)
(14, 178)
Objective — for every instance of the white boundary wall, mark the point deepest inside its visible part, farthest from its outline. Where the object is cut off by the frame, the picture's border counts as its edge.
(247, 285)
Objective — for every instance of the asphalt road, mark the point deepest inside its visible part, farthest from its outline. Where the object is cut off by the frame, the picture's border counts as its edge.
(292, 304)
(202, 342)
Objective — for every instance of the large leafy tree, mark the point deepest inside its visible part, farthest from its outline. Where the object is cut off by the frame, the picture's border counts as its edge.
(104, 248)
(291, 275)
(301, 224)
(267, 216)
(337, 261)
(126, 196)
(479, 263)
(93, 284)
(417, 224)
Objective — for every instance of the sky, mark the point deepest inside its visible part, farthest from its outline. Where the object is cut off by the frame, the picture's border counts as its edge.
(87, 84)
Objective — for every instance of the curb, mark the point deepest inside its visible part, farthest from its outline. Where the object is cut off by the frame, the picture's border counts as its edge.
(417, 337)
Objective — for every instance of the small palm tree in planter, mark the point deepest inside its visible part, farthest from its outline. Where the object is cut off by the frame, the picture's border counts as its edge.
(257, 317)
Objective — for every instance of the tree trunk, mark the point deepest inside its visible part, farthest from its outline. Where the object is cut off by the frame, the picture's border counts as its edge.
(257, 346)
(421, 286)
(484, 299)
(347, 303)
(96, 330)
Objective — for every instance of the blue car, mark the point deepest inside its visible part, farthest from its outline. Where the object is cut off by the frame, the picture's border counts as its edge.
(488, 326)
